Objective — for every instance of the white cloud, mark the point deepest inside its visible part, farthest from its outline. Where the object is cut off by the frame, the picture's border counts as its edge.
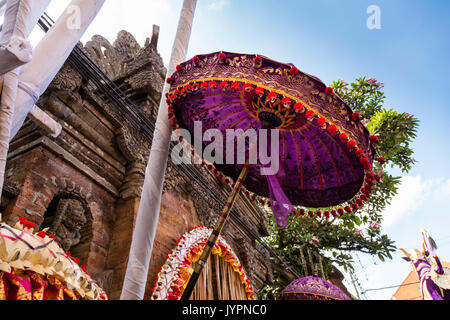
(411, 194)
(218, 4)
(446, 187)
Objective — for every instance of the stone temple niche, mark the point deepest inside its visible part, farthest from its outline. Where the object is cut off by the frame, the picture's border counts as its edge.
(68, 219)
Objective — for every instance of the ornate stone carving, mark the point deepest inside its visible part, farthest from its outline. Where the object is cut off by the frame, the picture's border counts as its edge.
(149, 58)
(125, 57)
(173, 180)
(136, 150)
(67, 79)
(207, 209)
(133, 145)
(66, 185)
(126, 46)
(105, 56)
(69, 219)
(133, 181)
(181, 183)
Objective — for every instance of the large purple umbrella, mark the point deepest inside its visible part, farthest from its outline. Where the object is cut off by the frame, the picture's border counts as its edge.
(325, 152)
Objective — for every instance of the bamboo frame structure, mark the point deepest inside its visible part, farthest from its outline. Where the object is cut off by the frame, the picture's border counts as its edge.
(218, 281)
(214, 234)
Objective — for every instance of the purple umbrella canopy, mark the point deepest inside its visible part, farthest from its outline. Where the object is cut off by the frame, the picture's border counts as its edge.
(312, 288)
(325, 152)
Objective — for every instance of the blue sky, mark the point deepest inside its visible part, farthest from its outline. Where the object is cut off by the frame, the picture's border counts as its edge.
(330, 40)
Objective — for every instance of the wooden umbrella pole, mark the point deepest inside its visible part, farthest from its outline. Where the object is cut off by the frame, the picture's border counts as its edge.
(214, 234)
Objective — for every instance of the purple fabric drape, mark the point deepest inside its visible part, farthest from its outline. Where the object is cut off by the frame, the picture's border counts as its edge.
(281, 206)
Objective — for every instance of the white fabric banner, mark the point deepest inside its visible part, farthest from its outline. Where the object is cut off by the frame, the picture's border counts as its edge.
(20, 18)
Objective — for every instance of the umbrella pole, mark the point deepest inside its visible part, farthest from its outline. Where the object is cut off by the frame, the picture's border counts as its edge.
(214, 234)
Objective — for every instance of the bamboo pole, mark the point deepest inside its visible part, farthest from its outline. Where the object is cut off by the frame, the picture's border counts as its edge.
(149, 208)
(214, 234)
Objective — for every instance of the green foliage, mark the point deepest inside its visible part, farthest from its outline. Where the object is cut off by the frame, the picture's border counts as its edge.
(336, 238)
(268, 292)
(395, 132)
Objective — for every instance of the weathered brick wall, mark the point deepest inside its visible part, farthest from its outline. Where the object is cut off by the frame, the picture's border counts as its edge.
(42, 176)
(125, 217)
(177, 217)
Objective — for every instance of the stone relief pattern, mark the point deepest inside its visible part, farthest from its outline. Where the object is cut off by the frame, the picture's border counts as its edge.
(77, 210)
(69, 219)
